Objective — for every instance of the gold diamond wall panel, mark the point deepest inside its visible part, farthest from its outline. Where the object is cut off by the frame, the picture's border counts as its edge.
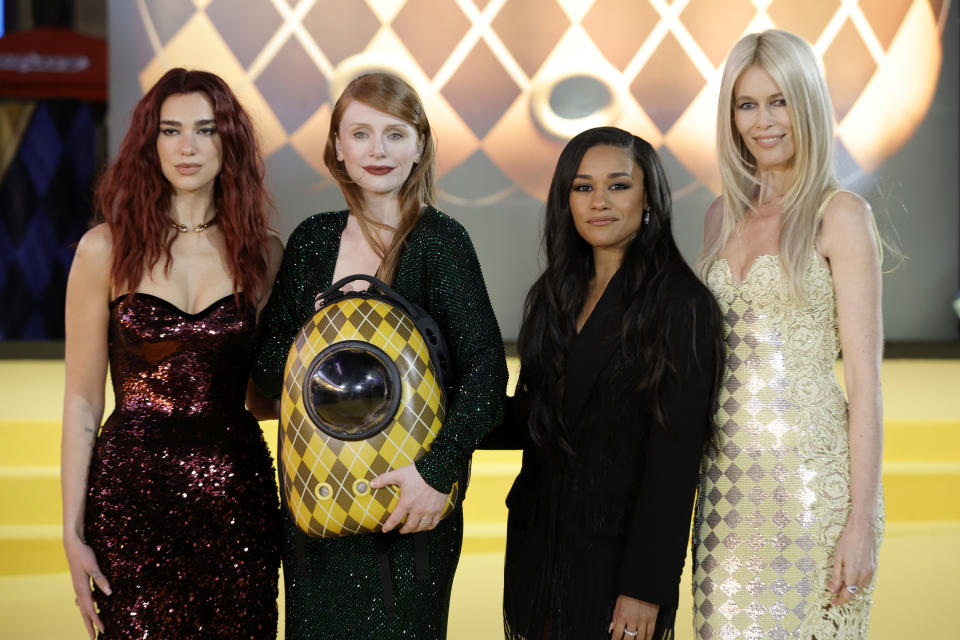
(667, 84)
(245, 37)
(342, 26)
(431, 46)
(617, 27)
(489, 70)
(293, 85)
(851, 67)
(530, 47)
(806, 19)
(480, 89)
(716, 25)
(885, 17)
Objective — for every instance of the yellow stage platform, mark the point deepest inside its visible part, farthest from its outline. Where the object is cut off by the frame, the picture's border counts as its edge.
(919, 564)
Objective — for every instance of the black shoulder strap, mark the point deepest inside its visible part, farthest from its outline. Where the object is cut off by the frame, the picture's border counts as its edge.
(382, 544)
(426, 325)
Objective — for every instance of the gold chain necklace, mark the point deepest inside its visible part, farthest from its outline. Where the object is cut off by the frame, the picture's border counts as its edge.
(182, 228)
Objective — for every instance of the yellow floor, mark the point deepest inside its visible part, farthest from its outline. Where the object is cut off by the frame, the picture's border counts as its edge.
(919, 564)
(915, 597)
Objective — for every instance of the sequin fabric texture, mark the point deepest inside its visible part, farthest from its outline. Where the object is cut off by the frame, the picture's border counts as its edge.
(182, 509)
(333, 585)
(774, 499)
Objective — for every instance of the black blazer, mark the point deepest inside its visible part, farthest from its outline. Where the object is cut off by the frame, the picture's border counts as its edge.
(616, 518)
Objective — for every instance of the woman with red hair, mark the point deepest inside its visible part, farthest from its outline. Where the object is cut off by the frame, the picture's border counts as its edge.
(170, 510)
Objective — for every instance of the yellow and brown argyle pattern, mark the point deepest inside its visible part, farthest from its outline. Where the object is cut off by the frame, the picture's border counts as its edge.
(326, 481)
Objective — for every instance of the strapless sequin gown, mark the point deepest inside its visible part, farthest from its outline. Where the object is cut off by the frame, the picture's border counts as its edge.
(182, 508)
(774, 498)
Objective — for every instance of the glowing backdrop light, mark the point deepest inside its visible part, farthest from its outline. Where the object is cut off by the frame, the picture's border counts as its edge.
(507, 82)
(492, 73)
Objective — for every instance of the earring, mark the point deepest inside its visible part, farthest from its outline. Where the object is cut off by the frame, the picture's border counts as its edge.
(339, 158)
(646, 215)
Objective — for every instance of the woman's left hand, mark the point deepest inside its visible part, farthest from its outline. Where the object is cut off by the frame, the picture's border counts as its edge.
(854, 561)
(633, 619)
(419, 503)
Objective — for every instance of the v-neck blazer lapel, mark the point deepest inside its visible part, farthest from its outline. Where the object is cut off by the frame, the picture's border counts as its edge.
(592, 349)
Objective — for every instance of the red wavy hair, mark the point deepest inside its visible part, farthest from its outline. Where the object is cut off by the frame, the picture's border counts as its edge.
(134, 198)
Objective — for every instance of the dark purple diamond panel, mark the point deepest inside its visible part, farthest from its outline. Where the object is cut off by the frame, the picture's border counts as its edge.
(45, 199)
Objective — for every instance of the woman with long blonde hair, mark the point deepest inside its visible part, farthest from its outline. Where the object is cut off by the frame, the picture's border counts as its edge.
(789, 515)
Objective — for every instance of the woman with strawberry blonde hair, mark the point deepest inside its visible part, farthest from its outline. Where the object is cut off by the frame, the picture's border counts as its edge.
(393, 583)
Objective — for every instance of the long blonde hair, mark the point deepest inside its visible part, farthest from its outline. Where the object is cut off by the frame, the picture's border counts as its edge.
(388, 93)
(794, 66)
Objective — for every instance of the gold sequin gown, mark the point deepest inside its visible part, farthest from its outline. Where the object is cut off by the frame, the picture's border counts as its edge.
(774, 497)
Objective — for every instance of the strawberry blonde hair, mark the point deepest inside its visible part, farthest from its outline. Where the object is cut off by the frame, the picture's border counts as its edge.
(387, 93)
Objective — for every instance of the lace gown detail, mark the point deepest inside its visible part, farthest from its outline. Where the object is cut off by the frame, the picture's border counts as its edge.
(182, 508)
(774, 497)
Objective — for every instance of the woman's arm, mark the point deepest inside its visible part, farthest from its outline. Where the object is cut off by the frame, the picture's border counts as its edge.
(458, 301)
(849, 243)
(281, 319)
(712, 221)
(86, 325)
(460, 305)
(509, 434)
(656, 541)
(258, 404)
(273, 254)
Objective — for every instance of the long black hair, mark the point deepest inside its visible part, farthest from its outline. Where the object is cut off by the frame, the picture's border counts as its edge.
(652, 267)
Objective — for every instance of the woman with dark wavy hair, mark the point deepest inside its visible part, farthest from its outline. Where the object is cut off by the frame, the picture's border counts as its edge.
(618, 360)
(170, 507)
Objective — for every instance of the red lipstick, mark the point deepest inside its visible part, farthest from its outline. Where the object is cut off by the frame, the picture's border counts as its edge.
(187, 168)
(378, 170)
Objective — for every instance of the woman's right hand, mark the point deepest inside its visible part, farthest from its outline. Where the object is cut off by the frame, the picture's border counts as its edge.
(633, 619)
(87, 319)
(83, 567)
(419, 503)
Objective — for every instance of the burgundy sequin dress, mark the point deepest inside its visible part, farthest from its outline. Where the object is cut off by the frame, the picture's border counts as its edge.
(182, 508)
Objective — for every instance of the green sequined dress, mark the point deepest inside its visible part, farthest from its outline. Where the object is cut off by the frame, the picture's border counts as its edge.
(333, 586)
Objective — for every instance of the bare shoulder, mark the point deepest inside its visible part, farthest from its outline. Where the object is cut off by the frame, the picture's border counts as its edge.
(847, 205)
(273, 248)
(714, 211)
(90, 271)
(96, 246)
(846, 218)
(713, 219)
(273, 253)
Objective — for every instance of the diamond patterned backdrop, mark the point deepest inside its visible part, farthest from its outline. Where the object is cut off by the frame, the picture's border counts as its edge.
(45, 183)
(506, 82)
(477, 64)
